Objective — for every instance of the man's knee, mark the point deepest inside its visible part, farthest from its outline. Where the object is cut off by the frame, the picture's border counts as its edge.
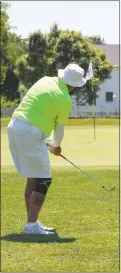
(42, 185)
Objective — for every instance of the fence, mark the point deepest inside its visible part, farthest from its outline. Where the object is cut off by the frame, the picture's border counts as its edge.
(75, 114)
(97, 114)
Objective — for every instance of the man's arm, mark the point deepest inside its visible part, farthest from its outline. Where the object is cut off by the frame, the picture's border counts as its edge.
(58, 135)
(61, 120)
(57, 139)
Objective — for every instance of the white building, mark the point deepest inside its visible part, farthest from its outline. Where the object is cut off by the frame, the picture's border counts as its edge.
(107, 103)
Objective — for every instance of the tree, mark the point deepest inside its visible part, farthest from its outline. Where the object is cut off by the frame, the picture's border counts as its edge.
(4, 40)
(10, 86)
(97, 40)
(5, 103)
(49, 52)
(37, 55)
(32, 66)
(71, 47)
(12, 46)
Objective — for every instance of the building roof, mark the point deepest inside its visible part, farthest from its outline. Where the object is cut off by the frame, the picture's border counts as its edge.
(112, 53)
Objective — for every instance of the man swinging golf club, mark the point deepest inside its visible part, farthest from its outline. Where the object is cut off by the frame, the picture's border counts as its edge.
(45, 107)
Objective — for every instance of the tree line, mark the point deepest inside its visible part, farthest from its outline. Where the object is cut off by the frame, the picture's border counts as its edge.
(24, 61)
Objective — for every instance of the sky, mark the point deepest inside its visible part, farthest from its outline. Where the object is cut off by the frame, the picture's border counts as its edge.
(90, 17)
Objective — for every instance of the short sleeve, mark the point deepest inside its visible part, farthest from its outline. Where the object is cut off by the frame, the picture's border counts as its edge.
(64, 112)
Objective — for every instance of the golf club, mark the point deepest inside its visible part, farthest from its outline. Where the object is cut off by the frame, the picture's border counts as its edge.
(108, 189)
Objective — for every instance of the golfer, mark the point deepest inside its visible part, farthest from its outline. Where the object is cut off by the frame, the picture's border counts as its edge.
(44, 108)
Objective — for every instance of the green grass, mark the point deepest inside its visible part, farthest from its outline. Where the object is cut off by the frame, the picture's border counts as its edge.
(85, 215)
(79, 146)
(78, 122)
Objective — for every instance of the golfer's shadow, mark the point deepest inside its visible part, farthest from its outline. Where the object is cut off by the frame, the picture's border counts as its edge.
(36, 238)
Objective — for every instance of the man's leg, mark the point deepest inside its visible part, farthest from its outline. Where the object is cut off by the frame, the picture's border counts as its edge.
(30, 187)
(37, 198)
(34, 202)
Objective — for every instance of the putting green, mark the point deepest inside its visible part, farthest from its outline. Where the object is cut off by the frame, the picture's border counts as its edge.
(79, 146)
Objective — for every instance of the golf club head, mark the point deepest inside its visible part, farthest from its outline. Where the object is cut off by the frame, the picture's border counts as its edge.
(109, 189)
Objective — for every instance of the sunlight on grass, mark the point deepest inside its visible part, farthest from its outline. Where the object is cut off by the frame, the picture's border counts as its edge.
(80, 147)
(85, 215)
(86, 218)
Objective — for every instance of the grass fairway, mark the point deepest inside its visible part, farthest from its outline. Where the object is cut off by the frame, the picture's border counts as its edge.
(85, 215)
(78, 122)
(79, 146)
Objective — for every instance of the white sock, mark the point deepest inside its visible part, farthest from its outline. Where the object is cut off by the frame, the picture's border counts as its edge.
(31, 224)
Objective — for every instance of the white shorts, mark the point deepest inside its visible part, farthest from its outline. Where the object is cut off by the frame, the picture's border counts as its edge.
(28, 149)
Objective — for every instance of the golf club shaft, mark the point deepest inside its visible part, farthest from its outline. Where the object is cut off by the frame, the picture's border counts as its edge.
(79, 169)
(76, 166)
(108, 189)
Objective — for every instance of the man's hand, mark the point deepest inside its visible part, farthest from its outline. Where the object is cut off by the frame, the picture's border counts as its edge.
(56, 150)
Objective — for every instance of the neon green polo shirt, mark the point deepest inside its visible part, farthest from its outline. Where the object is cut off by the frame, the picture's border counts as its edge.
(45, 104)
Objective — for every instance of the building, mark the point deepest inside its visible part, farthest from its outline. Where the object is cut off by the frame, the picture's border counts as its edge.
(107, 102)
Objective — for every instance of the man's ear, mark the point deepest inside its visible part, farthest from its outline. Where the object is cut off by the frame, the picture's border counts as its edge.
(70, 88)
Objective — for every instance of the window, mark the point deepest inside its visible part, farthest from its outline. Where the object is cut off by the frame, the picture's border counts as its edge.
(109, 96)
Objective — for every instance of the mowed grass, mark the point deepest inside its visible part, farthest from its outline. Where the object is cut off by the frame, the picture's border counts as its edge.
(86, 218)
(85, 215)
(79, 146)
(79, 121)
